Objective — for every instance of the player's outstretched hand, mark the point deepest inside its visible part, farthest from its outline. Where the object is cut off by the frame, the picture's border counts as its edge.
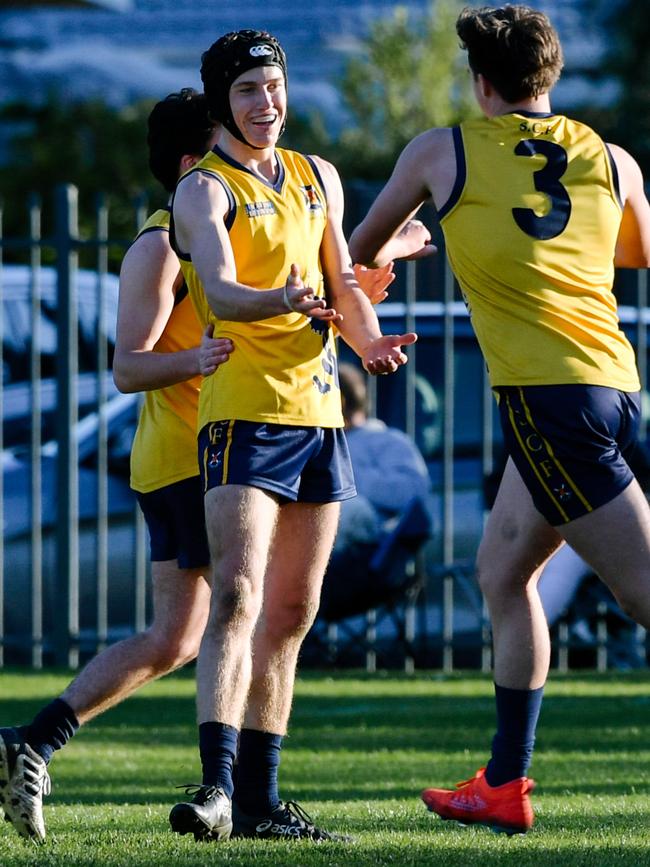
(384, 355)
(413, 241)
(213, 351)
(374, 281)
(299, 298)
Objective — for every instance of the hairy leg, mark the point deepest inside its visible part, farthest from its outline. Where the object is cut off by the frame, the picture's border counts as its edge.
(615, 541)
(516, 544)
(240, 521)
(301, 548)
(181, 599)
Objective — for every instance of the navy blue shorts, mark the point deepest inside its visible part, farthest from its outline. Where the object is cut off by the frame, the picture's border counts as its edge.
(569, 444)
(299, 464)
(176, 522)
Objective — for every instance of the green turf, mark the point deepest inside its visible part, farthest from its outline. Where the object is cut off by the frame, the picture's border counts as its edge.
(361, 748)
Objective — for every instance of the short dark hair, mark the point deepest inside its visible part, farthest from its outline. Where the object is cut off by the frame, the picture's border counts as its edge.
(177, 125)
(514, 47)
(354, 393)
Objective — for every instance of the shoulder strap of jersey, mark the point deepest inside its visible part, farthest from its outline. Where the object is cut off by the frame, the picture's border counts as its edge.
(461, 173)
(228, 220)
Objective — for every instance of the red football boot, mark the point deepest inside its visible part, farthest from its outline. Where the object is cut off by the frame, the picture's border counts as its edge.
(473, 802)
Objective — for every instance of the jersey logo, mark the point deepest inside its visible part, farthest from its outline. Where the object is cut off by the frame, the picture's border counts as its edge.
(259, 209)
(312, 199)
(260, 51)
(563, 493)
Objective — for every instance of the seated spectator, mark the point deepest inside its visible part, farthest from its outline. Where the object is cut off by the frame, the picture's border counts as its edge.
(389, 472)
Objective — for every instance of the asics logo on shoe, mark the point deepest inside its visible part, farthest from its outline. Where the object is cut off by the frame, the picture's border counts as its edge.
(280, 830)
(264, 826)
(471, 804)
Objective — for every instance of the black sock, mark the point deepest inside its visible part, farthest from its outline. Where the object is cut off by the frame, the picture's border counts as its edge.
(218, 748)
(51, 728)
(256, 789)
(512, 746)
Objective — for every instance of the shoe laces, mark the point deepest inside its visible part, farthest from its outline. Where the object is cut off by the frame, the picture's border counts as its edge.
(464, 783)
(529, 784)
(299, 813)
(306, 821)
(477, 776)
(465, 789)
(35, 779)
(47, 783)
(201, 793)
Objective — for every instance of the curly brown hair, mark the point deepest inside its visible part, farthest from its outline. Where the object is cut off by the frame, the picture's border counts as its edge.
(515, 48)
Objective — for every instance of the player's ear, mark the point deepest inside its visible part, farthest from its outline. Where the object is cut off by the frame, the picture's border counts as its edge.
(187, 161)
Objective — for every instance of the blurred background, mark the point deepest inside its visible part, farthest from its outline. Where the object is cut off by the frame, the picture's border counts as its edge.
(77, 81)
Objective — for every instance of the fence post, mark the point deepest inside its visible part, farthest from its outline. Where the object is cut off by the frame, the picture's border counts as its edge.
(101, 363)
(2, 504)
(36, 481)
(448, 475)
(67, 529)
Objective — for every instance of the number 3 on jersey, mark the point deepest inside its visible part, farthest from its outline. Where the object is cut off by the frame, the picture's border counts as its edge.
(547, 180)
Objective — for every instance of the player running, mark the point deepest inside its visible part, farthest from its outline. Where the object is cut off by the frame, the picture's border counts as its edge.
(536, 211)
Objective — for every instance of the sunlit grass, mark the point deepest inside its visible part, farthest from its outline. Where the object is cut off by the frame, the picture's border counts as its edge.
(360, 750)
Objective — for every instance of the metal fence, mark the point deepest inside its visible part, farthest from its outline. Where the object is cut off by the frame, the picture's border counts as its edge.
(73, 555)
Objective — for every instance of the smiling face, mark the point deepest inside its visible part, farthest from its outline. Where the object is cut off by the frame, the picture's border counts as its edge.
(258, 101)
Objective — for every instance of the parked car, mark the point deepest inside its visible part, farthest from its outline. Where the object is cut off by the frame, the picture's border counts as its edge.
(17, 285)
(119, 413)
(120, 416)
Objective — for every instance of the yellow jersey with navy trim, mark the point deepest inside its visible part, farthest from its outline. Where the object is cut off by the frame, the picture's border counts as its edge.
(164, 449)
(531, 230)
(283, 370)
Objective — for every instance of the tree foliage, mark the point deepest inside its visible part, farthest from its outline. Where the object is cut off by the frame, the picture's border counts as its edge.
(407, 76)
(627, 60)
(626, 119)
(88, 144)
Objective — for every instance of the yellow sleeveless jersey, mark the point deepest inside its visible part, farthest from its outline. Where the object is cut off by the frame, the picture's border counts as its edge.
(164, 449)
(531, 229)
(283, 370)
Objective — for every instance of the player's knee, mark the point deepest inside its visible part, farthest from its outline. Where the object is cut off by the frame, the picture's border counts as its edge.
(238, 604)
(486, 577)
(181, 651)
(173, 651)
(290, 620)
(497, 578)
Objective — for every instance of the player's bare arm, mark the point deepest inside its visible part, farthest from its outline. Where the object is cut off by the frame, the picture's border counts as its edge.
(426, 168)
(200, 209)
(149, 279)
(359, 326)
(633, 244)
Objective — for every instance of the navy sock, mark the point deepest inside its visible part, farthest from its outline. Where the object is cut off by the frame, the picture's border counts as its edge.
(218, 748)
(51, 728)
(256, 781)
(512, 746)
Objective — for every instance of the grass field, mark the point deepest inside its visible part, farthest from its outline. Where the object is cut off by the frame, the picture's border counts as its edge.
(361, 748)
